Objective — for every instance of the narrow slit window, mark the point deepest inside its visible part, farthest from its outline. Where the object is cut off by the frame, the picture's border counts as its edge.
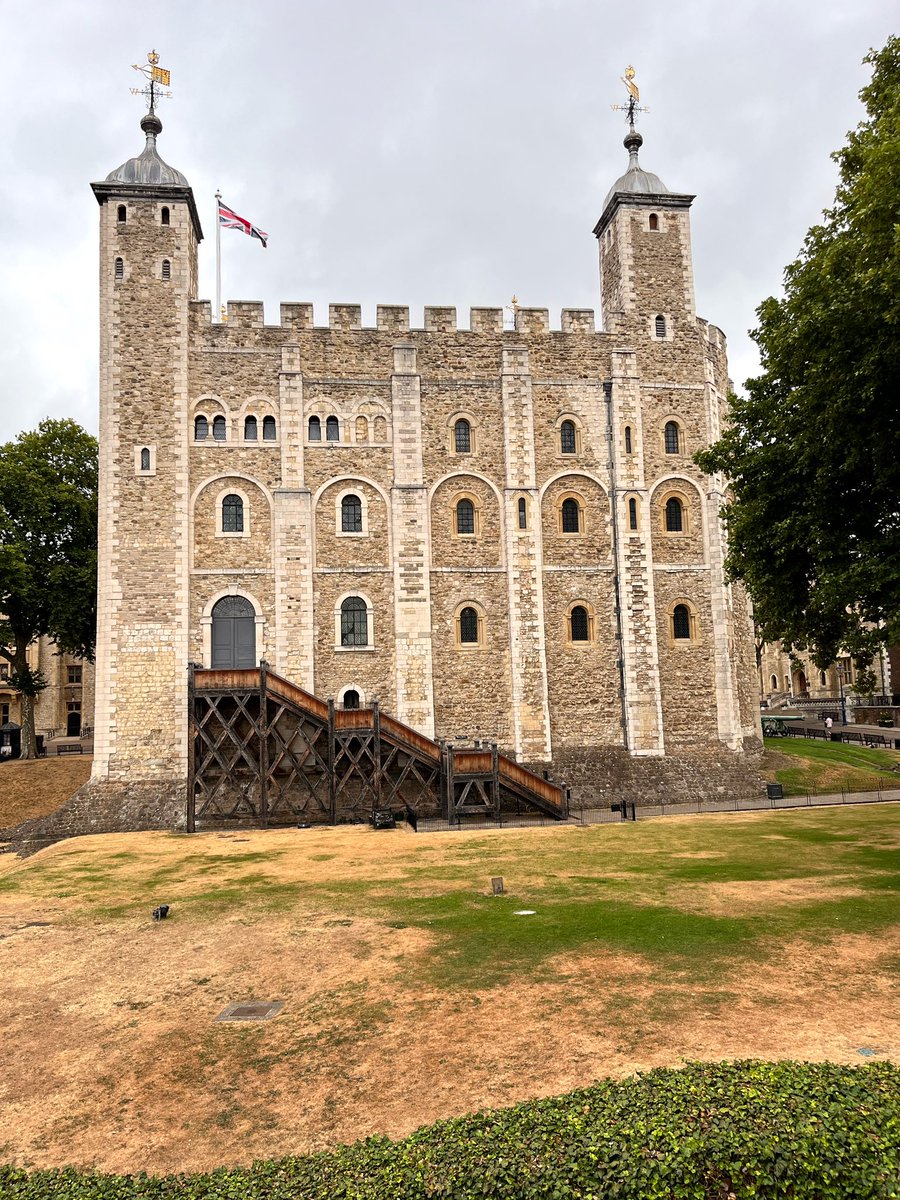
(251, 429)
(166, 269)
(462, 437)
(523, 513)
(145, 459)
(654, 222)
(232, 514)
(354, 623)
(121, 214)
(681, 623)
(120, 270)
(580, 624)
(571, 516)
(465, 517)
(268, 429)
(468, 626)
(672, 437)
(568, 440)
(351, 515)
(164, 216)
(632, 514)
(627, 439)
(332, 430)
(674, 515)
(660, 326)
(218, 429)
(201, 429)
(315, 429)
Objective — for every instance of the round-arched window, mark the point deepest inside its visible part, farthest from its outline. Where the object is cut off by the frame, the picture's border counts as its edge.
(465, 516)
(351, 514)
(580, 624)
(351, 698)
(268, 429)
(674, 515)
(468, 626)
(462, 436)
(671, 437)
(571, 516)
(251, 429)
(218, 429)
(332, 430)
(568, 439)
(315, 429)
(354, 625)
(232, 514)
(681, 622)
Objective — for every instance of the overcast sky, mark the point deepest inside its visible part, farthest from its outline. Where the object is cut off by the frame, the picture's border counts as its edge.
(412, 152)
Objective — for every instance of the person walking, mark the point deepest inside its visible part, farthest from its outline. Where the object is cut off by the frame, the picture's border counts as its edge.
(828, 724)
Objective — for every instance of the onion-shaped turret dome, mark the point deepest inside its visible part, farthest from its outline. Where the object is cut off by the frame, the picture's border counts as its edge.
(148, 168)
(636, 180)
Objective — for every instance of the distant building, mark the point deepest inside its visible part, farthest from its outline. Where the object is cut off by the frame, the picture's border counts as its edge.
(66, 706)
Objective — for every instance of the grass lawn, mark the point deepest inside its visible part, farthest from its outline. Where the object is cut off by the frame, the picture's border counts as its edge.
(819, 766)
(412, 993)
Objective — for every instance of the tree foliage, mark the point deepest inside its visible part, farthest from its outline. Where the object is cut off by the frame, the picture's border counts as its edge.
(48, 551)
(813, 451)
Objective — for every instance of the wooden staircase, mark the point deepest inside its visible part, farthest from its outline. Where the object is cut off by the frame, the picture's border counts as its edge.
(265, 752)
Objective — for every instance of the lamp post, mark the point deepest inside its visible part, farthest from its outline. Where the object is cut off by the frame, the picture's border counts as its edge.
(840, 675)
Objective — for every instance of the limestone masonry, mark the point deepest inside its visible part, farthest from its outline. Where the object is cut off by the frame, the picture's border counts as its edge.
(497, 532)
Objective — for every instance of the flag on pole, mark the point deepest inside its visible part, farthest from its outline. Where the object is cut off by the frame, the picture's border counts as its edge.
(230, 220)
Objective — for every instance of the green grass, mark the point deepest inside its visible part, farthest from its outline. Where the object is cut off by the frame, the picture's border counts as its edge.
(688, 897)
(833, 766)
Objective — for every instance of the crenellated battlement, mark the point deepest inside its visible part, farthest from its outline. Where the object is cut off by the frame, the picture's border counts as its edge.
(395, 318)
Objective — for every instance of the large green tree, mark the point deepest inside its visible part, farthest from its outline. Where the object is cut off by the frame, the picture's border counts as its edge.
(48, 552)
(813, 451)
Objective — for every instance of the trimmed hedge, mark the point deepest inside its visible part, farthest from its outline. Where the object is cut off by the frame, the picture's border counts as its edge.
(710, 1131)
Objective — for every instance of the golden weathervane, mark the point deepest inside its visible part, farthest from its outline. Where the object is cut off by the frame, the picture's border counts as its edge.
(634, 96)
(157, 78)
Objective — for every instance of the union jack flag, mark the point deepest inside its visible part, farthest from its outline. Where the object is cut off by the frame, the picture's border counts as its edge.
(230, 220)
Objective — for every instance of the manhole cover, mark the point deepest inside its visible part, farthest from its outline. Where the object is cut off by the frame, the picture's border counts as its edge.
(251, 1010)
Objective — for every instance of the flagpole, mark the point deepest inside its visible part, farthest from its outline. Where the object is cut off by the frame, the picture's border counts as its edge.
(218, 259)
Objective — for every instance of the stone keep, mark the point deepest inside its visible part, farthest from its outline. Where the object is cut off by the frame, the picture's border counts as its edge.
(606, 645)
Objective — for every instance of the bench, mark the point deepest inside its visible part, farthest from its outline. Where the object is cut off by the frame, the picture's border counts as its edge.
(70, 748)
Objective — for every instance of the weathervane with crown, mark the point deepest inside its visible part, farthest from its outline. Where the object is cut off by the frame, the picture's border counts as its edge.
(634, 96)
(154, 74)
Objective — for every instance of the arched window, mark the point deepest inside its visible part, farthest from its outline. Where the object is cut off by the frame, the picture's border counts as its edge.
(787, 683)
(654, 222)
(201, 429)
(380, 429)
(469, 626)
(462, 436)
(354, 625)
(120, 270)
(523, 513)
(233, 634)
(632, 513)
(674, 515)
(774, 683)
(570, 516)
(121, 214)
(351, 514)
(681, 622)
(568, 442)
(268, 429)
(465, 516)
(672, 437)
(362, 430)
(218, 429)
(251, 430)
(332, 430)
(351, 698)
(232, 514)
(660, 326)
(164, 215)
(145, 459)
(627, 439)
(166, 270)
(315, 429)
(823, 680)
(579, 624)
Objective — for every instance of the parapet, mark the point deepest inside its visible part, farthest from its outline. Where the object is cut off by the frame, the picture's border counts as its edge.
(394, 319)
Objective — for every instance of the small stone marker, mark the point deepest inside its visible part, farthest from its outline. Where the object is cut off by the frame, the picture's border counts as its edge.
(497, 885)
(524, 912)
(251, 1010)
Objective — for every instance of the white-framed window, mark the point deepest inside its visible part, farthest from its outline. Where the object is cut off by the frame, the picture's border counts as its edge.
(354, 626)
(232, 513)
(145, 460)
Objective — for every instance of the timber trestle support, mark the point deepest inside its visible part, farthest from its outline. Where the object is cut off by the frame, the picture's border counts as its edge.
(263, 751)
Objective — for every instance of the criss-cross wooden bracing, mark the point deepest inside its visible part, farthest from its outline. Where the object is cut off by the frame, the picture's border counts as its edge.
(265, 752)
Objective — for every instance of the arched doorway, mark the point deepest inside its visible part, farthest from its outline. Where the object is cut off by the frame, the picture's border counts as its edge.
(73, 720)
(233, 633)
